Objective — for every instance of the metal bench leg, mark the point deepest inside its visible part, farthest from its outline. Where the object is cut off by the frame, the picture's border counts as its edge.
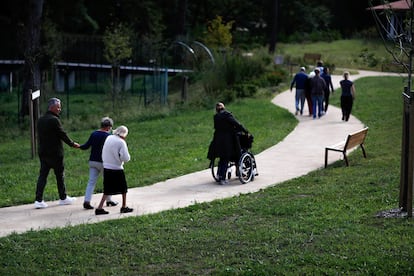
(346, 159)
(326, 157)
(363, 151)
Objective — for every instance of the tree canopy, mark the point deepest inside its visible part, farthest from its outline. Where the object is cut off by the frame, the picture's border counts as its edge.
(157, 22)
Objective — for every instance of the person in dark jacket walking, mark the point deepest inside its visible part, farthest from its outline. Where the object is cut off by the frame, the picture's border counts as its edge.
(95, 142)
(347, 96)
(308, 89)
(317, 92)
(50, 136)
(329, 87)
(225, 144)
(299, 79)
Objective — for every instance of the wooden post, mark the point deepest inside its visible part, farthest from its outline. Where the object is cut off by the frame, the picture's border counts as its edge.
(184, 89)
(32, 126)
(407, 158)
(33, 118)
(10, 82)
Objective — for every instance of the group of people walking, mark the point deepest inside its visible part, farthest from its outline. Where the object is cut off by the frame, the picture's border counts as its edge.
(316, 88)
(108, 154)
(109, 151)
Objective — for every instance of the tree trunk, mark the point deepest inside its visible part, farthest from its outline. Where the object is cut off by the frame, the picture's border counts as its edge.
(32, 49)
(274, 25)
(181, 18)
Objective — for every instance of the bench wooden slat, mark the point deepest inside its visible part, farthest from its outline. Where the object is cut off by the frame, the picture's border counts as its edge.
(338, 146)
(311, 57)
(353, 140)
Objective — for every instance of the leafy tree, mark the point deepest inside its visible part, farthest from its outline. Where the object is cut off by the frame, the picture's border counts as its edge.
(74, 17)
(52, 44)
(117, 43)
(218, 33)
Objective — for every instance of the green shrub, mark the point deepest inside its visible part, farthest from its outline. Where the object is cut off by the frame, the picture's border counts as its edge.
(232, 70)
(368, 58)
(245, 90)
(272, 78)
(213, 81)
(227, 96)
(239, 68)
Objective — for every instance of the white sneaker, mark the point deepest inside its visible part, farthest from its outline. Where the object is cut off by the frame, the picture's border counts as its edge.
(67, 201)
(40, 204)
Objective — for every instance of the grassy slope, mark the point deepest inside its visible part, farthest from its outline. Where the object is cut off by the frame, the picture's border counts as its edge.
(342, 53)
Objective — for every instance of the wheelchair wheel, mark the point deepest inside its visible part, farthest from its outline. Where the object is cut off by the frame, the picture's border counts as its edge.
(214, 169)
(246, 168)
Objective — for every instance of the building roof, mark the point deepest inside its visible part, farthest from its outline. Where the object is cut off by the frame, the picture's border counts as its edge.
(397, 5)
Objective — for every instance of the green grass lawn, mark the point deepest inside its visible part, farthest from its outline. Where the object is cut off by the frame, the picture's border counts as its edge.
(323, 223)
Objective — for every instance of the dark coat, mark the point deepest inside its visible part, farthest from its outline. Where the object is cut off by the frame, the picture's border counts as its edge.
(225, 144)
(51, 135)
(318, 86)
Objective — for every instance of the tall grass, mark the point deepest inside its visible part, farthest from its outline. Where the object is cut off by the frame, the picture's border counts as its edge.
(323, 223)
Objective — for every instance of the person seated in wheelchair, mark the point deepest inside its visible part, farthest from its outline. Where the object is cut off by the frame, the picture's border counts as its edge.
(245, 140)
(225, 144)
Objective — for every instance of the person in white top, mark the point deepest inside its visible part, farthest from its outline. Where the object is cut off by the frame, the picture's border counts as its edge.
(114, 154)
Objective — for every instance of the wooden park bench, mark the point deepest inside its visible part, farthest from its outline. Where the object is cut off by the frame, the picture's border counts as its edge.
(353, 140)
(311, 58)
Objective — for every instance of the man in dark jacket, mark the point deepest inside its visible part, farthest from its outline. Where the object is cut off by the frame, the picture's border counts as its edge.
(50, 136)
(225, 142)
(318, 87)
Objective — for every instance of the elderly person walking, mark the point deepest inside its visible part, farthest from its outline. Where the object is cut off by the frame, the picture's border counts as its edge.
(51, 134)
(318, 87)
(299, 79)
(114, 154)
(95, 143)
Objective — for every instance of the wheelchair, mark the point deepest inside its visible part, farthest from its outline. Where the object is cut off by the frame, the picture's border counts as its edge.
(245, 168)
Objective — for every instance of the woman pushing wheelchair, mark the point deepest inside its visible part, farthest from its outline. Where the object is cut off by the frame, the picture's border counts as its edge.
(226, 145)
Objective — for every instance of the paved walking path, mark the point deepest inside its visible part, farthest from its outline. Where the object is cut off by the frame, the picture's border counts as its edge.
(293, 157)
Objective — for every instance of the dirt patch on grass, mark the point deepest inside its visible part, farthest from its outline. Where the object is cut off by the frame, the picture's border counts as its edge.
(393, 213)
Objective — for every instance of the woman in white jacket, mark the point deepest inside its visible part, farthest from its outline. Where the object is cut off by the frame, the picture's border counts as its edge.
(114, 155)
